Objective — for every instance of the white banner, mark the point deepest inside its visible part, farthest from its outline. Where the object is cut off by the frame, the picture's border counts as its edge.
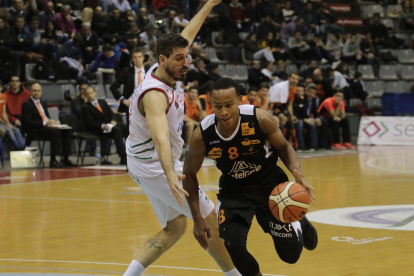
(386, 131)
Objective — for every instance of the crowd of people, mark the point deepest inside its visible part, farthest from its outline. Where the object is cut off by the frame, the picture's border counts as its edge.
(103, 36)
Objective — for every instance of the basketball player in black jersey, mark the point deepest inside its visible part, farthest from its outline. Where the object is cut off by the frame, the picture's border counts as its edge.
(245, 142)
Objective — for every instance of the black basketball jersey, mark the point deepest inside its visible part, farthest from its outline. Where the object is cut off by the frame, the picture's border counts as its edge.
(244, 158)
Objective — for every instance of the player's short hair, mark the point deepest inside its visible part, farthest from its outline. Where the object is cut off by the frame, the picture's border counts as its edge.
(252, 88)
(226, 83)
(166, 44)
(138, 50)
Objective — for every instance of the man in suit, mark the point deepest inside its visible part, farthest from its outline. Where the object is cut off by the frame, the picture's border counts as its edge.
(130, 77)
(98, 117)
(77, 103)
(37, 123)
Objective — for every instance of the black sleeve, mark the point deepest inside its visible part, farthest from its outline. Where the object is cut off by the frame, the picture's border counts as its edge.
(90, 123)
(117, 84)
(28, 120)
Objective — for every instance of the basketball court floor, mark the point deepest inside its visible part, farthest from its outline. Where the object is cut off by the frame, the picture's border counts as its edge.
(89, 221)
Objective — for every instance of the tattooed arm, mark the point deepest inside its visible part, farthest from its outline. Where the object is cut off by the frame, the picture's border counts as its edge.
(285, 151)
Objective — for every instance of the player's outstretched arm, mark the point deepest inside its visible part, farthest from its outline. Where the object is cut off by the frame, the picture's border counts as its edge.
(194, 26)
(286, 153)
(155, 106)
(192, 164)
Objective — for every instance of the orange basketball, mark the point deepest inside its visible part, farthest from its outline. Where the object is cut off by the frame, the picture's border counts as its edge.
(289, 202)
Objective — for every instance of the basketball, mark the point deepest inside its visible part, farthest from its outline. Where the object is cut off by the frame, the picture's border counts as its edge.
(289, 202)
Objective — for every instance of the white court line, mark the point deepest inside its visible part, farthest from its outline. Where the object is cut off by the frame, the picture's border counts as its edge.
(369, 163)
(159, 266)
(76, 199)
(63, 179)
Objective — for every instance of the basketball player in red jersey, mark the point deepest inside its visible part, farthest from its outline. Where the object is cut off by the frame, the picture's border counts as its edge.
(245, 143)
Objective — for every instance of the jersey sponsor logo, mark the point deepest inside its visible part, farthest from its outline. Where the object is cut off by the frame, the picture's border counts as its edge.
(242, 169)
(248, 142)
(179, 100)
(281, 230)
(251, 151)
(176, 105)
(247, 130)
(214, 142)
(215, 153)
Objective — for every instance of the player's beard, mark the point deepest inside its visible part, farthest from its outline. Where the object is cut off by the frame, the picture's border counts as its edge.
(171, 74)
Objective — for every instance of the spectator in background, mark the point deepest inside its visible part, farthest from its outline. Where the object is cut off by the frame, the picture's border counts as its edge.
(324, 85)
(407, 16)
(11, 130)
(100, 24)
(48, 14)
(287, 12)
(263, 97)
(42, 47)
(21, 45)
(333, 110)
(334, 45)
(37, 123)
(214, 72)
(122, 5)
(368, 53)
(280, 71)
(251, 97)
(310, 18)
(320, 51)
(199, 73)
(236, 12)
(278, 19)
(193, 113)
(255, 76)
(117, 26)
(358, 88)
(18, 9)
(266, 26)
(205, 91)
(308, 72)
(268, 72)
(298, 47)
(148, 37)
(85, 16)
(99, 120)
(180, 21)
(300, 111)
(252, 14)
(6, 54)
(289, 30)
(142, 18)
(169, 26)
(132, 34)
(89, 43)
(65, 23)
(343, 68)
(351, 50)
(16, 96)
(253, 51)
(77, 104)
(327, 20)
(106, 60)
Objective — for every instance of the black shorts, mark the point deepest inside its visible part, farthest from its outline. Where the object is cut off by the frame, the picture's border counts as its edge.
(238, 206)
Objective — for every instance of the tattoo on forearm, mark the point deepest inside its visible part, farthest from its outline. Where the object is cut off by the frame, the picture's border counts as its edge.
(153, 244)
(262, 124)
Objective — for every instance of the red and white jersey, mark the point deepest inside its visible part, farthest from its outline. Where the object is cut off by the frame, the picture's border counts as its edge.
(139, 144)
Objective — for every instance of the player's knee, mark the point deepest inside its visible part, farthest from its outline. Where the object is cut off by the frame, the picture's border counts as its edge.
(289, 254)
(177, 227)
(236, 248)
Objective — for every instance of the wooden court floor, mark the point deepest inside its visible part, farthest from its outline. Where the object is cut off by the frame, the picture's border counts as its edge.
(87, 222)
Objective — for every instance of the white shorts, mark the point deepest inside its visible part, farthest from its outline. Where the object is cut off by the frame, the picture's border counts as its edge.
(164, 203)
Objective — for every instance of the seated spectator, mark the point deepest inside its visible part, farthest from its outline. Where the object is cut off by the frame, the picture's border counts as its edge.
(132, 34)
(280, 71)
(333, 110)
(282, 95)
(358, 88)
(305, 110)
(339, 82)
(289, 30)
(251, 97)
(122, 5)
(268, 72)
(327, 19)
(50, 34)
(308, 72)
(310, 18)
(193, 113)
(18, 9)
(21, 46)
(320, 51)
(117, 25)
(16, 96)
(267, 26)
(64, 21)
(37, 123)
(6, 54)
(255, 76)
(48, 14)
(205, 91)
(106, 62)
(100, 24)
(252, 14)
(12, 131)
(253, 51)
(99, 120)
(343, 68)
(77, 104)
(299, 47)
(40, 46)
(148, 37)
(89, 43)
(324, 85)
(72, 49)
(142, 19)
(274, 44)
(214, 72)
(407, 16)
(368, 53)
(288, 12)
(180, 21)
(278, 20)
(334, 45)
(263, 97)
(351, 50)
(169, 25)
(199, 73)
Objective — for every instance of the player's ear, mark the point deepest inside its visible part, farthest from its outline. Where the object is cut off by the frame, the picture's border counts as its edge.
(240, 99)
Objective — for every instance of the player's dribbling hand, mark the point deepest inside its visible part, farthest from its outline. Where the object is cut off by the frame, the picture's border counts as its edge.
(301, 180)
(200, 230)
(177, 190)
